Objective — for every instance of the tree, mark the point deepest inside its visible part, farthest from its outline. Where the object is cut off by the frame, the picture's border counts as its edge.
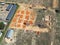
(2, 25)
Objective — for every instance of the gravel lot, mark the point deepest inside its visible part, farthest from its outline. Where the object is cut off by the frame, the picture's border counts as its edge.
(3, 12)
(31, 38)
(34, 2)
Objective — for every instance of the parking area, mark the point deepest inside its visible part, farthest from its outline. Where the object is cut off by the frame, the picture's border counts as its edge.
(3, 12)
(23, 17)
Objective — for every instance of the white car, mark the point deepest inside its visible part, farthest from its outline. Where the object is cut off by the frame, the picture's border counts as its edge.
(0, 34)
(2, 3)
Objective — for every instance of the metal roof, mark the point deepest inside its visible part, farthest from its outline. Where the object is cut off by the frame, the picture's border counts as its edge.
(9, 7)
(9, 33)
(11, 12)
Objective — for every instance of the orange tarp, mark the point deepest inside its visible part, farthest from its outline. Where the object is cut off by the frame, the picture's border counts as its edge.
(30, 22)
(24, 26)
(18, 11)
(19, 21)
(21, 16)
(14, 20)
(27, 12)
(32, 18)
(22, 12)
(17, 15)
(25, 21)
(18, 25)
(12, 24)
(27, 17)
